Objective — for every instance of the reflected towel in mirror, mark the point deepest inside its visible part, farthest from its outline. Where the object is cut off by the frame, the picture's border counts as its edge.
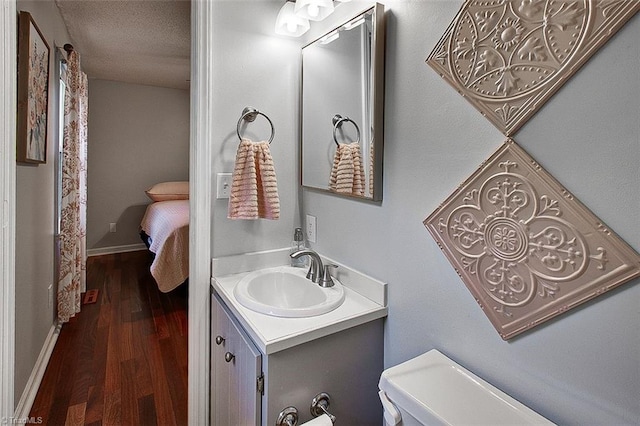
(347, 174)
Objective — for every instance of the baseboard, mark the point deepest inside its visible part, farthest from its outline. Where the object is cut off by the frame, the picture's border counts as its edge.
(115, 249)
(33, 384)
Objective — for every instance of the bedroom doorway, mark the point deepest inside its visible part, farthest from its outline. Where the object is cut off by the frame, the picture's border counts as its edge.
(125, 115)
(199, 176)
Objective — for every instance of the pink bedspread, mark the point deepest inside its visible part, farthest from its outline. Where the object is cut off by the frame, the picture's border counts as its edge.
(167, 223)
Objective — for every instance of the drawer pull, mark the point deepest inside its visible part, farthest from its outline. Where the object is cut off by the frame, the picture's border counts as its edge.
(229, 357)
(219, 340)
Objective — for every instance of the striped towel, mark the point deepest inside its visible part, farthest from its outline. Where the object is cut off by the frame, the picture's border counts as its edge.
(371, 163)
(254, 189)
(347, 174)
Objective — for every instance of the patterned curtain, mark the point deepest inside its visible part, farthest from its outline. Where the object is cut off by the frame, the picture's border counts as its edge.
(73, 227)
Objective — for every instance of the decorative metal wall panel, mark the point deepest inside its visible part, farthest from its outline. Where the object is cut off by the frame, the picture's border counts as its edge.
(525, 247)
(507, 57)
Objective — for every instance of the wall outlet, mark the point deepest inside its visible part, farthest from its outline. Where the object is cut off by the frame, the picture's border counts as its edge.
(311, 228)
(223, 184)
(112, 227)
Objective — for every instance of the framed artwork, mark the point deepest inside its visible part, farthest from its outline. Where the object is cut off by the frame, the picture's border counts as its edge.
(33, 92)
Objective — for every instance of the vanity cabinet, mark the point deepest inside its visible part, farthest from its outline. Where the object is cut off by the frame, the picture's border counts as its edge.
(236, 372)
(346, 364)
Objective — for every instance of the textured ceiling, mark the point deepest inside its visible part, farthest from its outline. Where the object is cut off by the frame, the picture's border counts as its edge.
(134, 41)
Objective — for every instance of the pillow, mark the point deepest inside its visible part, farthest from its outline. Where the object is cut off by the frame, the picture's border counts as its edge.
(169, 191)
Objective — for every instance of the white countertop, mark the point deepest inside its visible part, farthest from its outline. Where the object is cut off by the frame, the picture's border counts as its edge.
(273, 334)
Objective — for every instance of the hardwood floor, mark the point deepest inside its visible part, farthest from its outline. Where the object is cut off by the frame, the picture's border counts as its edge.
(123, 359)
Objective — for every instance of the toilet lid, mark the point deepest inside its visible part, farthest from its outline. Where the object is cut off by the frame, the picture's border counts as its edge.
(433, 388)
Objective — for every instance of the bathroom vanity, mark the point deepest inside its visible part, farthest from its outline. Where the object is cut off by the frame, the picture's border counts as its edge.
(261, 364)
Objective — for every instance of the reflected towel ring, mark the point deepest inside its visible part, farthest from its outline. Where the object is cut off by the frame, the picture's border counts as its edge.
(249, 114)
(337, 122)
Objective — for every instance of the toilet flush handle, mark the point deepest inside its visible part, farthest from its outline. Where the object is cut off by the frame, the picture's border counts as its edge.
(391, 414)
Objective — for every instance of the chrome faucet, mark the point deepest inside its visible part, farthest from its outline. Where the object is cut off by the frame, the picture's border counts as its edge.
(315, 266)
(318, 273)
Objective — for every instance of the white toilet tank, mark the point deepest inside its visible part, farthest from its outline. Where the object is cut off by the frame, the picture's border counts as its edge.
(431, 389)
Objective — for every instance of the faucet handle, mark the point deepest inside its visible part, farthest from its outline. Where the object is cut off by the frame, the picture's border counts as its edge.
(326, 280)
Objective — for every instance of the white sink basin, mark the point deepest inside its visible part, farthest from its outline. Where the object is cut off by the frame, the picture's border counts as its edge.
(285, 291)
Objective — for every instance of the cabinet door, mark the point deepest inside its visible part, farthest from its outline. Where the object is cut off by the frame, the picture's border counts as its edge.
(236, 365)
(220, 371)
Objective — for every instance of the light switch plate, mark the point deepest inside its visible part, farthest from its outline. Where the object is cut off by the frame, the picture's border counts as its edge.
(223, 184)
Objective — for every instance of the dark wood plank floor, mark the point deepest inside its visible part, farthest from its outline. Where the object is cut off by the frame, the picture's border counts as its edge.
(122, 360)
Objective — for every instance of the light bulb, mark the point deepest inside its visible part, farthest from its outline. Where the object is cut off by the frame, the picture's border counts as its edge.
(288, 24)
(313, 10)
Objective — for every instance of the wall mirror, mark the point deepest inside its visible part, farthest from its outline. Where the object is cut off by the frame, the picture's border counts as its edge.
(342, 108)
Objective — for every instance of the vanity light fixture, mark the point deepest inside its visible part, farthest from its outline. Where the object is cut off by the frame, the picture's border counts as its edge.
(289, 23)
(314, 10)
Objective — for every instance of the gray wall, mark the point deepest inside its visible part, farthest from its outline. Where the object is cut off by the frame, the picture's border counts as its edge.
(254, 68)
(35, 219)
(583, 367)
(138, 136)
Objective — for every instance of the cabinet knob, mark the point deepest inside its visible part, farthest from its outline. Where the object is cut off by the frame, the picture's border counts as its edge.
(229, 357)
(219, 340)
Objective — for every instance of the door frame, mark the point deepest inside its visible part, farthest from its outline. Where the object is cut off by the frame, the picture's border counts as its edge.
(200, 187)
(8, 77)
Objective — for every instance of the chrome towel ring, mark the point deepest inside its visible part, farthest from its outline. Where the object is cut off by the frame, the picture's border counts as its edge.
(249, 114)
(337, 122)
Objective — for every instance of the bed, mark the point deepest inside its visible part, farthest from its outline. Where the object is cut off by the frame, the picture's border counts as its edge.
(165, 231)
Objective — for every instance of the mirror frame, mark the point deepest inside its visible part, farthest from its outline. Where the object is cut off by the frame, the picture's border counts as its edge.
(377, 102)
